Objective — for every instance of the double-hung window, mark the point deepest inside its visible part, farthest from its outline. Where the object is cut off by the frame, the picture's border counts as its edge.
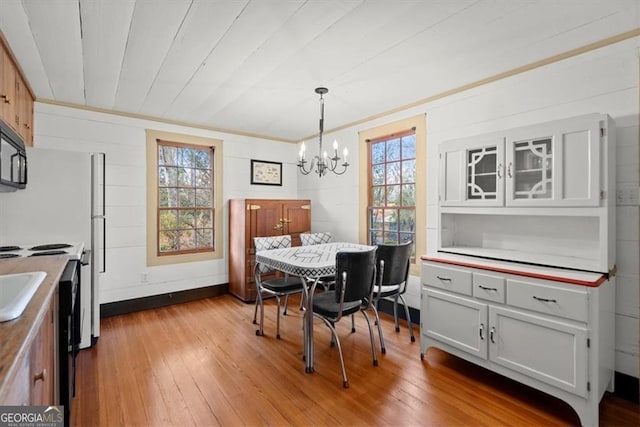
(392, 189)
(185, 198)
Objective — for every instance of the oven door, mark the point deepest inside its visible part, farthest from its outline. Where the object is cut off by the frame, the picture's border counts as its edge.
(67, 334)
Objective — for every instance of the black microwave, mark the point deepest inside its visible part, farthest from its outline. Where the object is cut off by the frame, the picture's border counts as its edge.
(13, 160)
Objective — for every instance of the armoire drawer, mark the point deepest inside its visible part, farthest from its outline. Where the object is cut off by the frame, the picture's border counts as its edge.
(447, 278)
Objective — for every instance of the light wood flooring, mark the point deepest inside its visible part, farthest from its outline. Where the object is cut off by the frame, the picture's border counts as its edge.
(200, 363)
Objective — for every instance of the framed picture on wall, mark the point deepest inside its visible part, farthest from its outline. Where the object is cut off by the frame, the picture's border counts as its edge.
(266, 173)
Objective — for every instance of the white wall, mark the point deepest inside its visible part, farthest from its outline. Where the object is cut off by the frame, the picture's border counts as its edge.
(123, 141)
(601, 81)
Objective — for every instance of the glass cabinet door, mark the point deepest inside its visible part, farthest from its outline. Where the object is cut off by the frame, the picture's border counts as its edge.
(482, 173)
(531, 169)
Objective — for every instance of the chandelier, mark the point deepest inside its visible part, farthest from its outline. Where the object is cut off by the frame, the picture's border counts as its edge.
(322, 162)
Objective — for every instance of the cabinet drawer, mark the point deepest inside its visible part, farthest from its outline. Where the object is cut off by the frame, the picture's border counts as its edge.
(488, 287)
(549, 299)
(448, 278)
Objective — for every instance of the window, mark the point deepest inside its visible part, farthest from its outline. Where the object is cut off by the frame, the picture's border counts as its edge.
(392, 199)
(392, 189)
(184, 198)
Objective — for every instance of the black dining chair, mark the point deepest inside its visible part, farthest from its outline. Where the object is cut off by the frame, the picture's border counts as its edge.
(355, 277)
(275, 286)
(393, 272)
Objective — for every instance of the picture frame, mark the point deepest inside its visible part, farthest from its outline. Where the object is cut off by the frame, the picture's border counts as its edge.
(266, 173)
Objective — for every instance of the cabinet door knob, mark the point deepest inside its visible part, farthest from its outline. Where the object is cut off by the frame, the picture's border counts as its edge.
(499, 171)
(482, 331)
(40, 376)
(491, 334)
(509, 170)
(6, 98)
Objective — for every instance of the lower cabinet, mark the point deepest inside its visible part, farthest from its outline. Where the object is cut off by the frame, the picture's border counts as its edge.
(550, 335)
(42, 362)
(33, 382)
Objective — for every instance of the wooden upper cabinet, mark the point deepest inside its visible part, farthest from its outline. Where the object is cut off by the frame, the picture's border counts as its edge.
(16, 100)
(8, 93)
(25, 113)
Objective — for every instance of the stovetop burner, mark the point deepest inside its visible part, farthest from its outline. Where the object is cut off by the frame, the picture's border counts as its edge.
(6, 255)
(43, 253)
(9, 248)
(50, 246)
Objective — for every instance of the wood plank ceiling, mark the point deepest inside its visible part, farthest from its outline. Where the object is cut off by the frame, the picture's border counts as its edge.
(252, 65)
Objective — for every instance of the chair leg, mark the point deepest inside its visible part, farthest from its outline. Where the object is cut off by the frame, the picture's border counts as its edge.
(375, 306)
(286, 304)
(395, 313)
(260, 302)
(255, 312)
(371, 338)
(278, 318)
(353, 323)
(383, 348)
(345, 381)
(406, 312)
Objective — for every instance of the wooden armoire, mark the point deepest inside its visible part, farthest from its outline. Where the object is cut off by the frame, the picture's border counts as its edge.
(249, 218)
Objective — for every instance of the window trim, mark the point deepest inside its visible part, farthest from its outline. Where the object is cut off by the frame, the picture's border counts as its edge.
(418, 122)
(153, 258)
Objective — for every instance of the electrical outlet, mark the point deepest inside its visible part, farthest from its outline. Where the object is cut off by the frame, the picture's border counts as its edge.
(629, 196)
(144, 277)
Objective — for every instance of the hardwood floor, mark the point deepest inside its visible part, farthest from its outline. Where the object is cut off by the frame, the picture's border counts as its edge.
(200, 363)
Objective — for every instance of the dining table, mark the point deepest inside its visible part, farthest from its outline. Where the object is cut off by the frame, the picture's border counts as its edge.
(310, 263)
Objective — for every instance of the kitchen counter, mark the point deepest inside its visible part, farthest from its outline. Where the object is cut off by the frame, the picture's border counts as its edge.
(16, 335)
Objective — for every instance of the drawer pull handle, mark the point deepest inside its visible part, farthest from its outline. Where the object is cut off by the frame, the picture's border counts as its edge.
(491, 333)
(544, 299)
(444, 279)
(40, 376)
(482, 331)
(484, 288)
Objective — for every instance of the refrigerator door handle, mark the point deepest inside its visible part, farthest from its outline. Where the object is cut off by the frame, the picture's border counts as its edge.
(104, 245)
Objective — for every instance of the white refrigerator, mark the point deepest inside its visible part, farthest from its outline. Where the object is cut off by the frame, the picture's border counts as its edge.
(63, 202)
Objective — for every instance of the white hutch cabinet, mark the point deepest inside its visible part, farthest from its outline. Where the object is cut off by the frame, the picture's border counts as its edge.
(523, 281)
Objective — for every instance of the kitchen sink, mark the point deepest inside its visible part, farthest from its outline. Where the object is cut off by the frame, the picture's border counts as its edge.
(16, 290)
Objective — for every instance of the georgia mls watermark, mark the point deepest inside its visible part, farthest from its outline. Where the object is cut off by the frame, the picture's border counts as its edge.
(31, 416)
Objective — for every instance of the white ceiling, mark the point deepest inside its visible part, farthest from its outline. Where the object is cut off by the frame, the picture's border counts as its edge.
(252, 65)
